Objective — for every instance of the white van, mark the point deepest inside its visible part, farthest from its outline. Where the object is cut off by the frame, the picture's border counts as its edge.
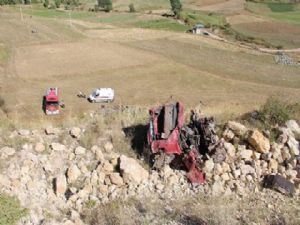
(102, 95)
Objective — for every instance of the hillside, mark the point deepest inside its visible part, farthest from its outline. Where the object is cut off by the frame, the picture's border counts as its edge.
(90, 164)
(143, 65)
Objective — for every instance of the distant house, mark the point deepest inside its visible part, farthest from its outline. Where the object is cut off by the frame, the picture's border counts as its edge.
(198, 29)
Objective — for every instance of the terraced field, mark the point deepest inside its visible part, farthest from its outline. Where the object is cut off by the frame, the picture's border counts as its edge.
(145, 62)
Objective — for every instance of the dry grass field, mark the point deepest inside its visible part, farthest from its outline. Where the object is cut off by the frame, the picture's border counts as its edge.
(144, 66)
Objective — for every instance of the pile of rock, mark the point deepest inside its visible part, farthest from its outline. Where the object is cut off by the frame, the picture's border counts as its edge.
(283, 59)
(51, 174)
(250, 156)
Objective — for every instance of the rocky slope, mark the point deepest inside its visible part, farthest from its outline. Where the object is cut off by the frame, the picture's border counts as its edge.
(51, 174)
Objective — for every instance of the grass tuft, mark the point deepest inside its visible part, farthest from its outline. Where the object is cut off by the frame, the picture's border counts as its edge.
(10, 210)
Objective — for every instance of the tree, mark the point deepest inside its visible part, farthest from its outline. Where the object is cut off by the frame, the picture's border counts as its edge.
(131, 8)
(57, 3)
(46, 3)
(176, 7)
(105, 4)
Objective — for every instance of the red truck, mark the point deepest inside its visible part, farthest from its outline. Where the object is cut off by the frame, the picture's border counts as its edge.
(51, 101)
(172, 141)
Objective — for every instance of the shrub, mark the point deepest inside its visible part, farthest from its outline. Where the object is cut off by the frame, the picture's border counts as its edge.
(131, 8)
(57, 3)
(275, 112)
(10, 210)
(46, 3)
(105, 4)
(2, 103)
(176, 7)
(52, 6)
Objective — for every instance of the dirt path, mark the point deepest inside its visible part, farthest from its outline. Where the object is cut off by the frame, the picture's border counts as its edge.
(267, 50)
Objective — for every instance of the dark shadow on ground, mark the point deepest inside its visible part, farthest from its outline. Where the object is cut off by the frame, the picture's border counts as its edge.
(191, 220)
(137, 134)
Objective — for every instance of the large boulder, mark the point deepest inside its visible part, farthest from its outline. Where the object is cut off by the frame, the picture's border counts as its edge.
(132, 171)
(259, 142)
(237, 128)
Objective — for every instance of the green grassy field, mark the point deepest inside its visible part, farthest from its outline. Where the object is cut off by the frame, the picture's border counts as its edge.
(39, 10)
(209, 19)
(163, 24)
(280, 11)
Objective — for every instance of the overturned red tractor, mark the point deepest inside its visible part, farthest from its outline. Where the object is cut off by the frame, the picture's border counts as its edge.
(172, 142)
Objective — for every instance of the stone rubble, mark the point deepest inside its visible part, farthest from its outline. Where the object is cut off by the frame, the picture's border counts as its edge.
(50, 176)
(283, 59)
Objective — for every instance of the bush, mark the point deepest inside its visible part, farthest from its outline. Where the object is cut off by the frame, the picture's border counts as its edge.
(275, 112)
(10, 210)
(105, 4)
(131, 8)
(57, 3)
(52, 6)
(176, 7)
(2, 103)
(46, 3)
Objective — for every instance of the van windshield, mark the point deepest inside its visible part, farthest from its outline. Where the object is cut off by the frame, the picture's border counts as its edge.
(53, 103)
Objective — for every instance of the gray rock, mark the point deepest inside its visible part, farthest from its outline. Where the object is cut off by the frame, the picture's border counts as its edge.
(208, 166)
(24, 132)
(6, 152)
(294, 146)
(51, 131)
(80, 150)
(217, 188)
(60, 184)
(73, 173)
(247, 169)
(116, 179)
(293, 126)
(39, 147)
(75, 132)
(108, 147)
(57, 147)
(246, 154)
(237, 128)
